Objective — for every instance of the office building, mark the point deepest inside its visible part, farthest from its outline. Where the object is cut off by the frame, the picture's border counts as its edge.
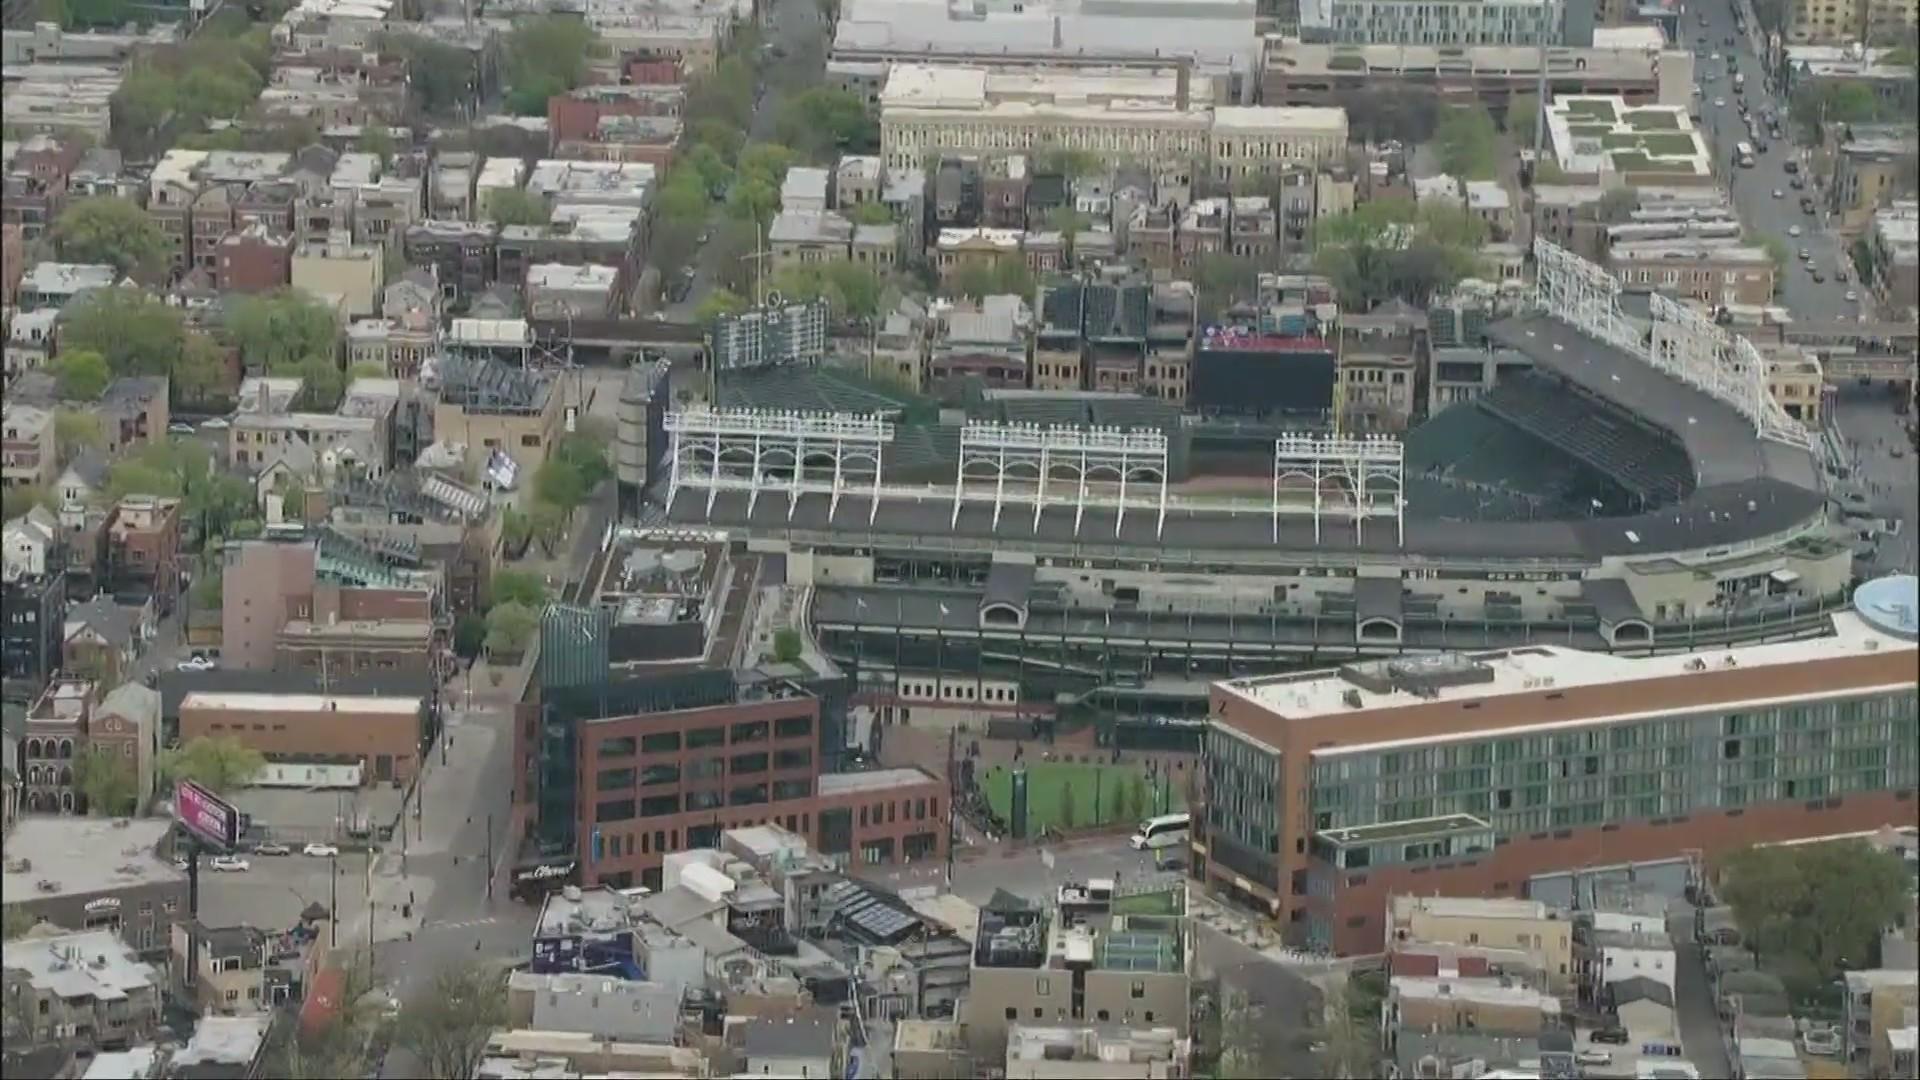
(1450, 23)
(1465, 773)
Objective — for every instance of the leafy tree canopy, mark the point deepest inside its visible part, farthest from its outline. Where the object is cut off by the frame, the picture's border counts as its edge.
(83, 374)
(110, 230)
(1813, 910)
(448, 1023)
(1468, 143)
(545, 56)
(515, 206)
(136, 333)
(282, 330)
(218, 763)
(519, 587)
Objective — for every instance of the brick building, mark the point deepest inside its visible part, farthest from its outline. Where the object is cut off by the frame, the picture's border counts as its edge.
(287, 604)
(1326, 792)
(142, 540)
(656, 782)
(383, 735)
(254, 259)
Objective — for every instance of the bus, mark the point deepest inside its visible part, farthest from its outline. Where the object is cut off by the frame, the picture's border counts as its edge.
(1743, 155)
(1158, 832)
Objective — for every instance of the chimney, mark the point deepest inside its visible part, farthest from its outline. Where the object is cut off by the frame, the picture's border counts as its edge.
(266, 396)
(1182, 84)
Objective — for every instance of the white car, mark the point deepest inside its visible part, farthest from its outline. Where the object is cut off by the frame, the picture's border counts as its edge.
(1719, 103)
(320, 851)
(1852, 296)
(231, 864)
(1591, 1056)
(215, 424)
(1778, 194)
(196, 663)
(1793, 230)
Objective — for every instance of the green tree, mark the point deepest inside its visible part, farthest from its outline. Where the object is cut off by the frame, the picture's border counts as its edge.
(1523, 113)
(519, 587)
(515, 530)
(547, 524)
(469, 635)
(448, 1023)
(83, 374)
(1468, 143)
(108, 781)
(1224, 280)
(510, 628)
(515, 206)
(1813, 910)
(1068, 812)
(1392, 113)
(1072, 164)
(858, 289)
(826, 121)
(786, 645)
(1249, 1048)
(15, 921)
(545, 56)
(75, 431)
(870, 213)
(282, 330)
(440, 75)
(21, 498)
(323, 383)
(201, 371)
(113, 231)
(376, 139)
(220, 763)
(717, 303)
(136, 333)
(723, 98)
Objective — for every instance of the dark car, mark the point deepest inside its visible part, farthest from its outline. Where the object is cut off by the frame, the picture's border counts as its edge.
(1818, 277)
(1615, 1035)
(1791, 166)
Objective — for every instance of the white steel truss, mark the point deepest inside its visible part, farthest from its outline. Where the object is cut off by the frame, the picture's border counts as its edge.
(1353, 479)
(1682, 342)
(1692, 348)
(755, 450)
(1583, 295)
(1021, 459)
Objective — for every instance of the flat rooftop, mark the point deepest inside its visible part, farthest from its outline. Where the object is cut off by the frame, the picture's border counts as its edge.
(876, 780)
(71, 856)
(1468, 907)
(291, 703)
(1483, 676)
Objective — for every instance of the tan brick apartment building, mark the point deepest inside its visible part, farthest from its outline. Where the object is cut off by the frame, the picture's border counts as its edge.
(1327, 792)
(381, 734)
(1711, 273)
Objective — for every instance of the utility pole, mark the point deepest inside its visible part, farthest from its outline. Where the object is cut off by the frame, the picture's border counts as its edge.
(489, 856)
(1540, 119)
(369, 901)
(333, 900)
(952, 785)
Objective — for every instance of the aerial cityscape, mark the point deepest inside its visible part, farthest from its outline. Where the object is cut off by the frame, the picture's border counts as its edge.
(575, 539)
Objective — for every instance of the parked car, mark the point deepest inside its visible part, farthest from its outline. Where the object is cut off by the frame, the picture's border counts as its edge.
(179, 429)
(320, 851)
(1591, 1056)
(272, 849)
(215, 424)
(1615, 1035)
(196, 663)
(230, 864)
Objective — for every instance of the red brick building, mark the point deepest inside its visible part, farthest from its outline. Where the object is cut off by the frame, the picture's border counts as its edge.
(576, 116)
(658, 782)
(381, 734)
(142, 539)
(254, 259)
(279, 613)
(1465, 775)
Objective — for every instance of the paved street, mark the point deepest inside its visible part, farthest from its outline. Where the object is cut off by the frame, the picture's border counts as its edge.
(797, 29)
(1752, 189)
(1875, 435)
(1695, 1013)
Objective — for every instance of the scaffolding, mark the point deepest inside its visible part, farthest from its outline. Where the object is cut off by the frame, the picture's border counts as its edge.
(1362, 477)
(1021, 459)
(755, 450)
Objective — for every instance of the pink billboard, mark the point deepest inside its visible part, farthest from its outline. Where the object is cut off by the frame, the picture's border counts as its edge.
(207, 816)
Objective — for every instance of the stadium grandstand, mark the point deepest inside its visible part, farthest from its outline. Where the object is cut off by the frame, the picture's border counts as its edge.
(1632, 493)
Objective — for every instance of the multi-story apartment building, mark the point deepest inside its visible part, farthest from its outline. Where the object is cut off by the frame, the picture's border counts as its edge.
(1843, 23)
(1299, 73)
(141, 549)
(55, 738)
(1466, 774)
(1076, 962)
(34, 614)
(27, 457)
(1543, 934)
(1867, 170)
(86, 991)
(1714, 272)
(1380, 357)
(460, 253)
(1454, 23)
(1893, 236)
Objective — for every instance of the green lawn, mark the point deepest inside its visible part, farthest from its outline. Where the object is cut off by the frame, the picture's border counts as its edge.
(1591, 108)
(1652, 120)
(1046, 780)
(1167, 902)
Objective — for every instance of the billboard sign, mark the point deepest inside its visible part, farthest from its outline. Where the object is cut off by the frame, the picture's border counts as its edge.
(214, 820)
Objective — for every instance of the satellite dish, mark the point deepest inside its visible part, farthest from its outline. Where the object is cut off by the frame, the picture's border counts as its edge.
(774, 298)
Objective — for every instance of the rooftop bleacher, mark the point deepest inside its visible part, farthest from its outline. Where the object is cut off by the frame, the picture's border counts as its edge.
(1646, 461)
